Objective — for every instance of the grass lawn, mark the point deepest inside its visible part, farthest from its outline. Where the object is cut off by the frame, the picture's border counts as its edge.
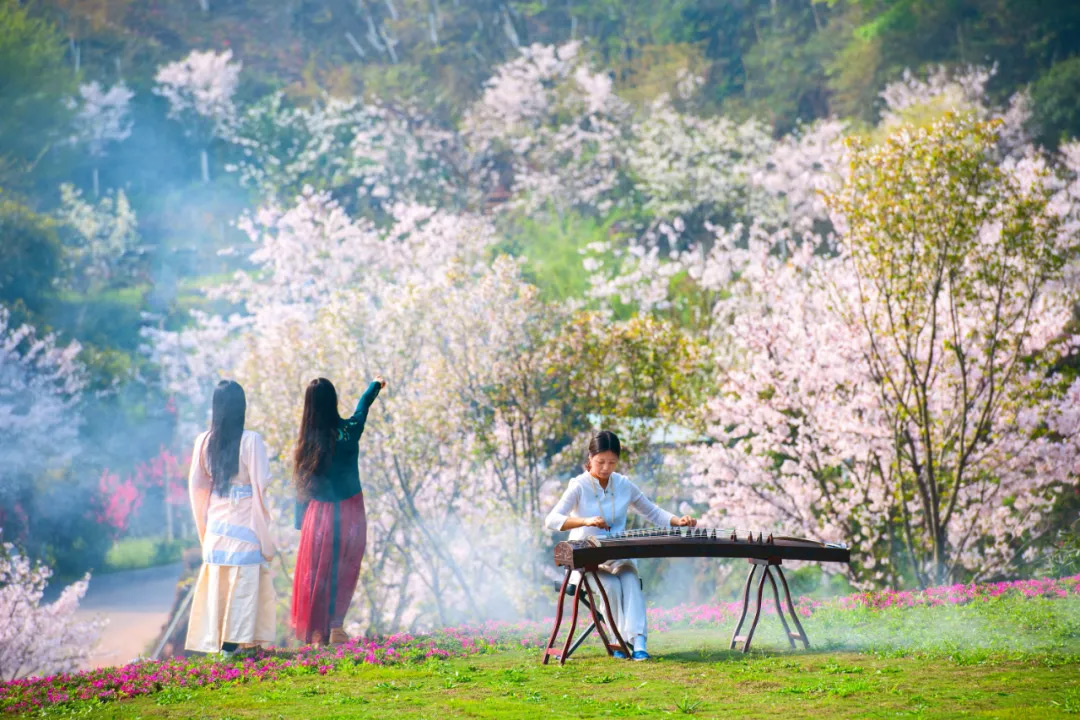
(689, 675)
(1000, 650)
(143, 552)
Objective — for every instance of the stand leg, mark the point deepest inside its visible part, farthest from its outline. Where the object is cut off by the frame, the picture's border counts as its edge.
(597, 621)
(757, 613)
(607, 605)
(779, 607)
(791, 607)
(581, 640)
(558, 618)
(745, 601)
(573, 620)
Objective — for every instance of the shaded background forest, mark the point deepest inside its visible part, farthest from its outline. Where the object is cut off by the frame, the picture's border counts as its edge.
(786, 62)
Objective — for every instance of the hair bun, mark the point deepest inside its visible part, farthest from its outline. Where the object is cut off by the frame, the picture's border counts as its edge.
(604, 441)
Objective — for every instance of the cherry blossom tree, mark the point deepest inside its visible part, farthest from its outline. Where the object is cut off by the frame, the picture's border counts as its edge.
(121, 498)
(41, 384)
(101, 117)
(557, 124)
(104, 236)
(914, 98)
(367, 153)
(38, 639)
(199, 90)
(685, 164)
(345, 299)
(741, 253)
(459, 453)
(900, 394)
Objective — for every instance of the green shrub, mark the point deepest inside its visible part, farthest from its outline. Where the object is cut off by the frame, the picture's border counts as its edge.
(1054, 102)
(142, 552)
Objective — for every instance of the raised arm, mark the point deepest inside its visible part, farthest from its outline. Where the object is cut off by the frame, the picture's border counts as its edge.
(353, 427)
(199, 485)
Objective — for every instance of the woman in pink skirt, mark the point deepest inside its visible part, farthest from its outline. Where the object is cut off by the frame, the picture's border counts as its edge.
(329, 512)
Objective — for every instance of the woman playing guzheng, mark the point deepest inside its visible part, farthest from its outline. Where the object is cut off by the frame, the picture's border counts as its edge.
(595, 503)
(234, 602)
(329, 512)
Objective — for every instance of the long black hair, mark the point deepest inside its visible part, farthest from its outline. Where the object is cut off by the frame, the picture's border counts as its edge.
(318, 434)
(603, 441)
(226, 430)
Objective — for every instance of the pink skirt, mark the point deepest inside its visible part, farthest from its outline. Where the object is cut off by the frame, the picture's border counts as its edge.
(332, 541)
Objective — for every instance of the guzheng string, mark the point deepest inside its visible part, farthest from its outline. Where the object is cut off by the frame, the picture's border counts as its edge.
(697, 531)
(701, 532)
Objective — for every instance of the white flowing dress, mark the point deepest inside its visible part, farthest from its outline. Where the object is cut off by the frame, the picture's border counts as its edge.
(234, 593)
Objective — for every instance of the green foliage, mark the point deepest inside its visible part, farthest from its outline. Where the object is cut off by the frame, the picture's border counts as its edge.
(1056, 103)
(1064, 555)
(687, 706)
(880, 38)
(551, 245)
(621, 372)
(64, 531)
(134, 553)
(786, 59)
(106, 318)
(34, 81)
(786, 69)
(30, 257)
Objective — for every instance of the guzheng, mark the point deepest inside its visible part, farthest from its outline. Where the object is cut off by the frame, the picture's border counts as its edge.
(765, 552)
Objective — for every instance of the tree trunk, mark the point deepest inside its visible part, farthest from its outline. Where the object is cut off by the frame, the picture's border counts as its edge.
(97, 183)
(204, 160)
(355, 45)
(76, 54)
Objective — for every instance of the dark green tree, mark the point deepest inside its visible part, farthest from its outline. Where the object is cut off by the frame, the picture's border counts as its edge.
(30, 258)
(1056, 102)
(34, 81)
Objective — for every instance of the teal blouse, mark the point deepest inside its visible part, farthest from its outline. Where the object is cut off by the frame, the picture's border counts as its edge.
(341, 480)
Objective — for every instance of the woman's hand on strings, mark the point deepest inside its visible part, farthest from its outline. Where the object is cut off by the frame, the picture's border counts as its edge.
(596, 521)
(684, 521)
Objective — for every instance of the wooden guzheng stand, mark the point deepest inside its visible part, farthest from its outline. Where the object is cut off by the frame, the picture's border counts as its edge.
(586, 556)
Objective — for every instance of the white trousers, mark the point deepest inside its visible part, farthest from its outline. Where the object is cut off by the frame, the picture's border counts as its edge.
(626, 601)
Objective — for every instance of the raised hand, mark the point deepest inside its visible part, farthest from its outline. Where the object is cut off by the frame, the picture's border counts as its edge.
(381, 380)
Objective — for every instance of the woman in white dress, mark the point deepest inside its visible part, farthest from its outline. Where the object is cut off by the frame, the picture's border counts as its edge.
(595, 503)
(233, 605)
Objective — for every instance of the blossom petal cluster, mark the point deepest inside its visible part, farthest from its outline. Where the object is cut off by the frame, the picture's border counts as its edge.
(36, 638)
(202, 83)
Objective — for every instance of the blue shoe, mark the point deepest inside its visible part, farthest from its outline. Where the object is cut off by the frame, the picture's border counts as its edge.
(618, 655)
(640, 655)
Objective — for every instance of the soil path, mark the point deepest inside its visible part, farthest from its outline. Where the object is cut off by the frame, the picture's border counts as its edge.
(136, 604)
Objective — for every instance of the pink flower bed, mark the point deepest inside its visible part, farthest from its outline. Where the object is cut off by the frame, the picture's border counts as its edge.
(959, 594)
(153, 676)
(148, 677)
